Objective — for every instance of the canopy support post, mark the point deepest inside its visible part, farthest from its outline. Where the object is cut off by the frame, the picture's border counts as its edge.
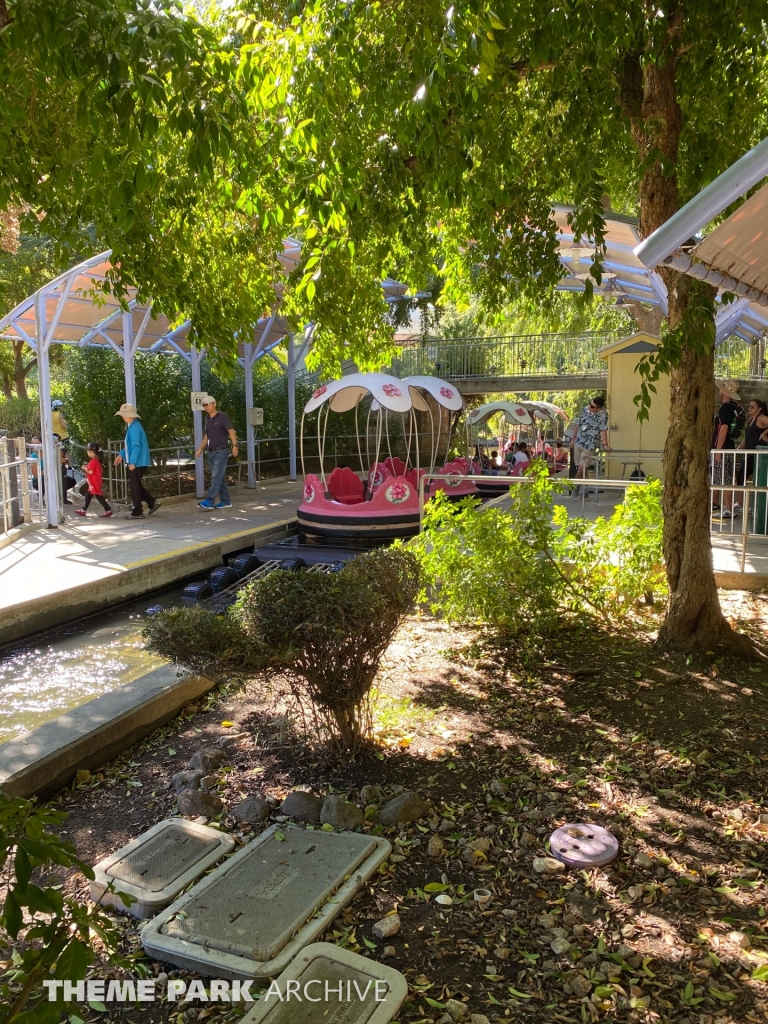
(129, 368)
(291, 407)
(196, 358)
(50, 477)
(250, 433)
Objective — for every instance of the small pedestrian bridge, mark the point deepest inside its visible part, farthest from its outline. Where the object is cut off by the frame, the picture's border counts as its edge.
(519, 362)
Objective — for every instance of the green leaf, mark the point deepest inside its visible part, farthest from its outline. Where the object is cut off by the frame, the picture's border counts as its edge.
(518, 995)
(760, 973)
(73, 962)
(435, 887)
(279, 837)
(722, 995)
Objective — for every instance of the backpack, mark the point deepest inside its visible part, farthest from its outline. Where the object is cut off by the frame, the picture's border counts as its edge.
(736, 429)
(637, 474)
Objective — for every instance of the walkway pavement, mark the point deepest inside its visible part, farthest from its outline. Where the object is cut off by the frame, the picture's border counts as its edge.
(50, 576)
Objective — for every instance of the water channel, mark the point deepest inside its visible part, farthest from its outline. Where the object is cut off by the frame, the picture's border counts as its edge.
(53, 672)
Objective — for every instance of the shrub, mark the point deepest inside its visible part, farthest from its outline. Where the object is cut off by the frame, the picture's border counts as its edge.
(54, 934)
(517, 569)
(615, 561)
(491, 565)
(203, 641)
(326, 634)
(20, 417)
(323, 634)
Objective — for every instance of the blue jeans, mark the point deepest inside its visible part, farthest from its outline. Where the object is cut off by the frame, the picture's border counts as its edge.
(217, 461)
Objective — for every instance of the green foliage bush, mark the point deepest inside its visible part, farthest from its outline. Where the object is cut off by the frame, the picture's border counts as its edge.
(323, 634)
(327, 633)
(518, 569)
(43, 934)
(20, 417)
(203, 641)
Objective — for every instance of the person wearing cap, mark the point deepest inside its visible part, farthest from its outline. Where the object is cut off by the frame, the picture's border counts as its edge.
(218, 431)
(135, 454)
(723, 440)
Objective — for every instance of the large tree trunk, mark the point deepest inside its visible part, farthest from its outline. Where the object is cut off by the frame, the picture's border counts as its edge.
(693, 616)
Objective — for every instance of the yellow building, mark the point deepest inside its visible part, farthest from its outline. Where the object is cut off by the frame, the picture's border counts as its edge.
(630, 439)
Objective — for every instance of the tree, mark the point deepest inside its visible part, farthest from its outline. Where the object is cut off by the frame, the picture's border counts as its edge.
(444, 135)
(126, 115)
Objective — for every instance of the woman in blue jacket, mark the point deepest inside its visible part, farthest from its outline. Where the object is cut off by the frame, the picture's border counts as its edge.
(135, 454)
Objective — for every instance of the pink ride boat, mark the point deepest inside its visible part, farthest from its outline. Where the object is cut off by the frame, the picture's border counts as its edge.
(382, 501)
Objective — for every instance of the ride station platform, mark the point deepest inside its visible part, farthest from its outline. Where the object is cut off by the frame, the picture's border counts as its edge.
(52, 576)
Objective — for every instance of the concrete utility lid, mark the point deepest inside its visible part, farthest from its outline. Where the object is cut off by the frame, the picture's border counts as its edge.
(349, 980)
(158, 865)
(251, 916)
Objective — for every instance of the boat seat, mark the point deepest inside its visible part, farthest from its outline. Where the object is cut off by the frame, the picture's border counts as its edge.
(414, 476)
(395, 466)
(382, 471)
(346, 486)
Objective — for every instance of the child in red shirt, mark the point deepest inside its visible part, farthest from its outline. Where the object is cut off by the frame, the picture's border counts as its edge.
(94, 474)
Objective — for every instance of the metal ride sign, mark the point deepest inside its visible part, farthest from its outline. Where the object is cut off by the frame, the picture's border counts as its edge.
(197, 400)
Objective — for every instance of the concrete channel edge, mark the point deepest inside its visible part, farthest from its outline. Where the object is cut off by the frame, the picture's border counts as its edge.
(29, 617)
(44, 760)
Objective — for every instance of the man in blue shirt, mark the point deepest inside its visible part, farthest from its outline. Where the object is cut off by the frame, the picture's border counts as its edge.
(135, 454)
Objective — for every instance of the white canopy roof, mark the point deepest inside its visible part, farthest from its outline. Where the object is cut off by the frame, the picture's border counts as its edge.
(544, 410)
(344, 394)
(445, 394)
(514, 412)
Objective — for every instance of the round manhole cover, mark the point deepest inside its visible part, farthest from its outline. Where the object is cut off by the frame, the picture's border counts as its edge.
(583, 846)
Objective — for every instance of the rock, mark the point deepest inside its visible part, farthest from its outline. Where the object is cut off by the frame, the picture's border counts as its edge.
(189, 779)
(370, 794)
(341, 813)
(302, 806)
(470, 857)
(479, 1018)
(455, 1009)
(643, 860)
(560, 933)
(444, 900)
(207, 759)
(580, 986)
(208, 781)
(624, 950)
(499, 788)
(403, 809)
(502, 952)
(194, 803)
(547, 865)
(229, 739)
(387, 926)
(252, 811)
(435, 848)
(388, 951)
(396, 858)
(739, 939)
(560, 946)
(480, 845)
(628, 931)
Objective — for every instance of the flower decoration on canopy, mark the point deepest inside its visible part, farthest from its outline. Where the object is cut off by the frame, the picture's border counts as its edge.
(520, 411)
(320, 391)
(446, 392)
(397, 493)
(391, 390)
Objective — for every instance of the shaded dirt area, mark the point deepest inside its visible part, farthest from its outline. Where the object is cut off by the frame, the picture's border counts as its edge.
(508, 745)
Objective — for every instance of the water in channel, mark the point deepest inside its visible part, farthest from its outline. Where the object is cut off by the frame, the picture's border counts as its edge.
(53, 672)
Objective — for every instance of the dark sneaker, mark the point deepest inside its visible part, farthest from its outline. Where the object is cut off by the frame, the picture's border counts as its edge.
(155, 507)
(139, 516)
